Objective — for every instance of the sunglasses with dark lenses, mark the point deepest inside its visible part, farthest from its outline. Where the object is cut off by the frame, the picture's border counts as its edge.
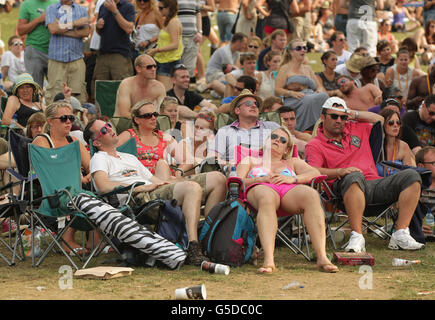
(392, 122)
(161, 8)
(249, 103)
(238, 88)
(148, 115)
(342, 81)
(299, 48)
(143, 1)
(274, 136)
(104, 130)
(335, 116)
(431, 113)
(252, 47)
(65, 118)
(150, 66)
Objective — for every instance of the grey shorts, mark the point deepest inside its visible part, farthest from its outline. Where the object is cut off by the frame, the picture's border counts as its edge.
(379, 191)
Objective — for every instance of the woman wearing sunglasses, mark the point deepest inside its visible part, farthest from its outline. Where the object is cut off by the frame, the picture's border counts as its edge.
(275, 186)
(299, 87)
(169, 107)
(12, 62)
(148, 23)
(169, 43)
(153, 146)
(195, 148)
(59, 119)
(395, 149)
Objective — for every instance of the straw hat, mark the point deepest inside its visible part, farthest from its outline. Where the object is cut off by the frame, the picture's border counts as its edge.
(354, 63)
(25, 78)
(245, 93)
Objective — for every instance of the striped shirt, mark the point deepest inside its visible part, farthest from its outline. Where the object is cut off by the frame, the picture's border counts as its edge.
(187, 11)
(63, 48)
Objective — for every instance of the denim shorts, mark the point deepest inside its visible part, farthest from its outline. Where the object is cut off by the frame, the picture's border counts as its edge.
(165, 69)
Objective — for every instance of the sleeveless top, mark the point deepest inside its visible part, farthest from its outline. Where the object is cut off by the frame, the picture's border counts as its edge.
(267, 87)
(23, 114)
(145, 32)
(402, 81)
(168, 56)
(328, 85)
(149, 155)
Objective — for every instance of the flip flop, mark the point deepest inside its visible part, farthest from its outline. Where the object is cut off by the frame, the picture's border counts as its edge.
(267, 270)
(107, 249)
(328, 268)
(77, 251)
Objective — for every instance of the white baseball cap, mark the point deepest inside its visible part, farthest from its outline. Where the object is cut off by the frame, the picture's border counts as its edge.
(329, 104)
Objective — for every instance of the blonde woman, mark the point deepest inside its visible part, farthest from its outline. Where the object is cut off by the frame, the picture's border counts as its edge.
(275, 186)
(298, 85)
(148, 23)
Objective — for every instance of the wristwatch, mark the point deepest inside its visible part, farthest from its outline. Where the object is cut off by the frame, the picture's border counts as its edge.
(115, 13)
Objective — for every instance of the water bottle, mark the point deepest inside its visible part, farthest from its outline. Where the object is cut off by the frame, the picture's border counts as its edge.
(293, 285)
(13, 121)
(429, 220)
(233, 186)
(403, 262)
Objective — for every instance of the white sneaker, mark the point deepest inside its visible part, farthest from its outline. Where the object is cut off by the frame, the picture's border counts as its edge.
(201, 87)
(215, 95)
(401, 239)
(357, 243)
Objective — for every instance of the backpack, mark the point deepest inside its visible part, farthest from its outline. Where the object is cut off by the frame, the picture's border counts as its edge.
(172, 224)
(228, 234)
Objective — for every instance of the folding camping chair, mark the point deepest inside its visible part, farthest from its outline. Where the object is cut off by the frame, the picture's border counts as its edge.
(58, 171)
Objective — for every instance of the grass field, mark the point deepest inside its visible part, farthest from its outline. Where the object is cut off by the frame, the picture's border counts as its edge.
(22, 281)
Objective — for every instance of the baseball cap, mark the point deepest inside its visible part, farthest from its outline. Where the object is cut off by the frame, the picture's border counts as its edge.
(331, 102)
(92, 109)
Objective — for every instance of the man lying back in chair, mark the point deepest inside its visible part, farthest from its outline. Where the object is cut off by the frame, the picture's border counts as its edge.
(341, 150)
(111, 169)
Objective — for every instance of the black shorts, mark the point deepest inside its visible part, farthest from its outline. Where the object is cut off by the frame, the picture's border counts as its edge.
(206, 26)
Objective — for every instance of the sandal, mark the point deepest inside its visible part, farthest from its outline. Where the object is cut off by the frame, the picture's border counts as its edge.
(267, 270)
(77, 251)
(328, 268)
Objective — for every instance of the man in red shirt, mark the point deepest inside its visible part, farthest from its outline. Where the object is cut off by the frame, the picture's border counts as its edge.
(341, 150)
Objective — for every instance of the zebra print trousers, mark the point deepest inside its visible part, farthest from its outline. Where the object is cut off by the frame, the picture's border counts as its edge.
(113, 222)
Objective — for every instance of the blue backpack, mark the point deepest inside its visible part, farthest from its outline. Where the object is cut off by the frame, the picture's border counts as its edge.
(228, 234)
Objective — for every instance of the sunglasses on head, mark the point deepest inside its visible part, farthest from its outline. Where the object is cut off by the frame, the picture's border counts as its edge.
(180, 66)
(248, 103)
(392, 122)
(274, 136)
(65, 118)
(335, 116)
(148, 115)
(205, 117)
(300, 48)
(104, 130)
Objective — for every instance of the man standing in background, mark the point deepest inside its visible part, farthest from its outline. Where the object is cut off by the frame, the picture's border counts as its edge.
(31, 22)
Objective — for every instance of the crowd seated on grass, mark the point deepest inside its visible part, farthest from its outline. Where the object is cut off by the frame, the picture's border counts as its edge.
(155, 50)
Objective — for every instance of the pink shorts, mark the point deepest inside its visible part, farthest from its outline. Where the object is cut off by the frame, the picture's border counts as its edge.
(281, 189)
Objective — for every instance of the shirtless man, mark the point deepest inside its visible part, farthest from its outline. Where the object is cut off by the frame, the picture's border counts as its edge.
(139, 87)
(360, 99)
(420, 89)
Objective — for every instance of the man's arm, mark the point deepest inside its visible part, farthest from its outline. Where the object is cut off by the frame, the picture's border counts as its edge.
(365, 116)
(414, 100)
(123, 100)
(208, 105)
(124, 24)
(186, 113)
(25, 27)
(104, 184)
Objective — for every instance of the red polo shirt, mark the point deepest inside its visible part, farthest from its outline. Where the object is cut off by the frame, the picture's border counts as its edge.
(354, 150)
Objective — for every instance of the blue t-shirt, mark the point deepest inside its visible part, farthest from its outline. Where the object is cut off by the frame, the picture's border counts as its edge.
(228, 99)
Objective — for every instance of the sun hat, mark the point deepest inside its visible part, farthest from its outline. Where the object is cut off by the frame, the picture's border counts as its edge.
(245, 93)
(354, 63)
(368, 62)
(25, 78)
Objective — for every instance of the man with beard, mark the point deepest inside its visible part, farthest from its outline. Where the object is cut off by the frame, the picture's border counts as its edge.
(341, 150)
(359, 98)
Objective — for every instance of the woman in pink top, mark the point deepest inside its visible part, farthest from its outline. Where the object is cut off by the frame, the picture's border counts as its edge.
(275, 185)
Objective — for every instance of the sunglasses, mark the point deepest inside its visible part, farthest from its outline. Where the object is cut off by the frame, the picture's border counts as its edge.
(342, 81)
(341, 40)
(335, 116)
(16, 44)
(300, 48)
(143, 0)
(253, 47)
(161, 8)
(180, 66)
(274, 136)
(148, 115)
(392, 122)
(238, 88)
(431, 113)
(65, 118)
(248, 103)
(150, 66)
(205, 117)
(104, 130)
(429, 162)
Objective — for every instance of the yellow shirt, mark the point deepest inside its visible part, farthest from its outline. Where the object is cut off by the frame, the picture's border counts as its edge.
(168, 56)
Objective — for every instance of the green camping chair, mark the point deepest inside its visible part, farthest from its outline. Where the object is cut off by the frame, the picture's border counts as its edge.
(105, 95)
(58, 171)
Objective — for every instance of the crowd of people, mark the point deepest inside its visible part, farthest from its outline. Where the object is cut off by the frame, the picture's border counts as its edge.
(258, 63)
